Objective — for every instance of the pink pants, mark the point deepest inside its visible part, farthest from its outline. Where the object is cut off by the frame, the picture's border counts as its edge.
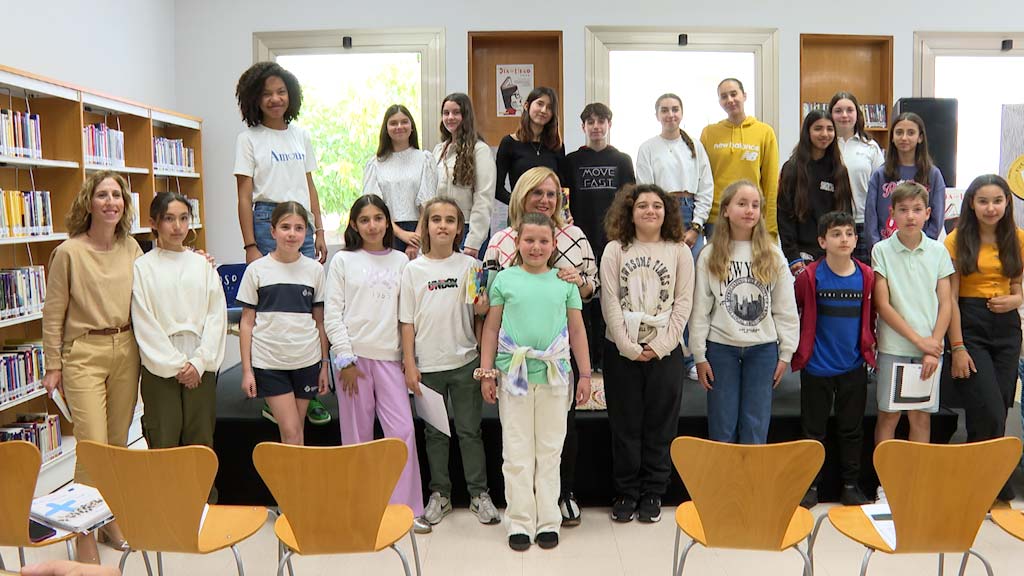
(382, 393)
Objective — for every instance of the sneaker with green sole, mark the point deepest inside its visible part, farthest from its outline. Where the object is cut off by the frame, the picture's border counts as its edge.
(317, 413)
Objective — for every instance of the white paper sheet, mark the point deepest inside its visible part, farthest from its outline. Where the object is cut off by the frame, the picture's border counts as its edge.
(909, 391)
(431, 407)
(881, 519)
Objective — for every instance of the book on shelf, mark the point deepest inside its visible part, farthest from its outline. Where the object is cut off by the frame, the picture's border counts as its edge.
(196, 219)
(40, 429)
(103, 145)
(25, 213)
(22, 291)
(172, 155)
(75, 508)
(20, 134)
(874, 115)
(809, 106)
(21, 369)
(136, 213)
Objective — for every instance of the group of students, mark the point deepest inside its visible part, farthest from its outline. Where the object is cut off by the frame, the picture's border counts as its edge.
(392, 318)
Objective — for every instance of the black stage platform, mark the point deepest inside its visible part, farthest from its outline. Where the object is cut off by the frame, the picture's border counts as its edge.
(240, 427)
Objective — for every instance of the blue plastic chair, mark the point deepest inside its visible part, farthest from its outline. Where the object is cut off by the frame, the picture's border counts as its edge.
(231, 277)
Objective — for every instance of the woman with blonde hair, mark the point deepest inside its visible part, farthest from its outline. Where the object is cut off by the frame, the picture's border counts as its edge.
(91, 353)
(538, 190)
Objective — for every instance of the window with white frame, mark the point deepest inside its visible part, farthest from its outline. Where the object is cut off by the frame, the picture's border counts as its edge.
(974, 69)
(628, 68)
(346, 92)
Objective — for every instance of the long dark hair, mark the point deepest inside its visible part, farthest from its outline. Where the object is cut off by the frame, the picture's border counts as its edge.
(618, 220)
(796, 174)
(968, 231)
(464, 140)
(353, 241)
(161, 202)
(249, 91)
(384, 145)
(549, 137)
(922, 159)
(682, 133)
(858, 125)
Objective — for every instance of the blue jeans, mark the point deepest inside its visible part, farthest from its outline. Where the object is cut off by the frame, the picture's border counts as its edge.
(1020, 372)
(265, 243)
(740, 401)
(686, 206)
(482, 248)
(409, 226)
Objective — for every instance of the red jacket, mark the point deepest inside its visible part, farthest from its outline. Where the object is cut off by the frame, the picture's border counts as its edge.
(807, 305)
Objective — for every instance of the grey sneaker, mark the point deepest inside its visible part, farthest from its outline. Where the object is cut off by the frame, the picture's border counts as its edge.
(484, 509)
(437, 508)
(421, 526)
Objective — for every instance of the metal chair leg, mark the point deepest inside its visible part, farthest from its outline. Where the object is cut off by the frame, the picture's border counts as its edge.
(21, 556)
(864, 562)
(808, 569)
(942, 563)
(415, 551)
(2, 566)
(124, 558)
(814, 537)
(675, 551)
(405, 563)
(988, 567)
(682, 558)
(238, 559)
(291, 571)
(285, 560)
(160, 563)
(963, 563)
(71, 550)
(145, 558)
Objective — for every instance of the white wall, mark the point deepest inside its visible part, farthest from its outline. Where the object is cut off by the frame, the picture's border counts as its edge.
(213, 45)
(121, 47)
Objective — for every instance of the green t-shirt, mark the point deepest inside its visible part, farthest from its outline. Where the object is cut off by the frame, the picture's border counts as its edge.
(534, 312)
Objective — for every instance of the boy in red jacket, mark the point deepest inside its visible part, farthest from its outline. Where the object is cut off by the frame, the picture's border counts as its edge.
(837, 338)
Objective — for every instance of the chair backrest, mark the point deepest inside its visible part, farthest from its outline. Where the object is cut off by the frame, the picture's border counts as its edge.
(157, 496)
(231, 278)
(939, 494)
(746, 495)
(21, 462)
(333, 497)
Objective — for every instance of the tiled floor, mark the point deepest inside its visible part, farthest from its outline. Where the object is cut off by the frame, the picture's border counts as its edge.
(461, 546)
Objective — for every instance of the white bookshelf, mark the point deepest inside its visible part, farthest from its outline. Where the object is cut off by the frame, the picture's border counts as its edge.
(36, 162)
(118, 169)
(20, 320)
(55, 237)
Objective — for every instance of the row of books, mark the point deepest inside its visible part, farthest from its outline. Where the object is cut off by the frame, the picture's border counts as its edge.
(20, 134)
(21, 369)
(172, 155)
(39, 428)
(103, 145)
(25, 213)
(22, 291)
(196, 220)
(873, 114)
(136, 213)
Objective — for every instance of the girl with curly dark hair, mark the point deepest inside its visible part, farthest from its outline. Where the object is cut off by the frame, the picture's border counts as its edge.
(646, 296)
(274, 159)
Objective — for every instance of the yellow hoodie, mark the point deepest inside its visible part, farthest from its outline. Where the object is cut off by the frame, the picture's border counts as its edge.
(749, 151)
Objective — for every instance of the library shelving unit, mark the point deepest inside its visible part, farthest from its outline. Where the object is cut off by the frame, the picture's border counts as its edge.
(65, 111)
(859, 64)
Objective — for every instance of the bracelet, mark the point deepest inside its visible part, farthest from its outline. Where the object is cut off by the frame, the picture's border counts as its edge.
(955, 344)
(587, 377)
(959, 348)
(481, 373)
(250, 245)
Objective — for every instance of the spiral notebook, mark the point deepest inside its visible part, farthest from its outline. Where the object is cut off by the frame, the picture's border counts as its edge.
(909, 390)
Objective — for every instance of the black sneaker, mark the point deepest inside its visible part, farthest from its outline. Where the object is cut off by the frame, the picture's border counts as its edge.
(852, 496)
(624, 509)
(570, 510)
(810, 499)
(649, 509)
(519, 542)
(547, 540)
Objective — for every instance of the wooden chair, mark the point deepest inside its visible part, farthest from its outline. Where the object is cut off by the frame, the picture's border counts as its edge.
(744, 497)
(1010, 520)
(938, 494)
(334, 500)
(21, 461)
(158, 498)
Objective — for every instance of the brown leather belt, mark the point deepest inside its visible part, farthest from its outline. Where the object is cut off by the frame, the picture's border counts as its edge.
(110, 331)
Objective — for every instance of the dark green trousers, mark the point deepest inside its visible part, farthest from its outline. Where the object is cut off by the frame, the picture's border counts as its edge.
(466, 404)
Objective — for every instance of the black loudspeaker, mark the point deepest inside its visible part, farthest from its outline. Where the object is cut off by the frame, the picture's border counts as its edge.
(940, 124)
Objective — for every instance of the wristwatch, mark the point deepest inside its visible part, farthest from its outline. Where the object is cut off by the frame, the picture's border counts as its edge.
(698, 228)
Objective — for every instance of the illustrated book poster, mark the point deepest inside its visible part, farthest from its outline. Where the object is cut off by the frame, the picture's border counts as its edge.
(514, 83)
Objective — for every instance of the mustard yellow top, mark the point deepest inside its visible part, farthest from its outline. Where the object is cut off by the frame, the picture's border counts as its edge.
(989, 280)
(86, 289)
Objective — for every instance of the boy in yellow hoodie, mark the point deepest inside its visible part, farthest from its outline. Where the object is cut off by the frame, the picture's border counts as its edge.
(742, 147)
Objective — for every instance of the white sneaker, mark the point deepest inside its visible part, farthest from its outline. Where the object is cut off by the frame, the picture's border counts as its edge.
(421, 526)
(484, 509)
(437, 508)
(692, 373)
(881, 496)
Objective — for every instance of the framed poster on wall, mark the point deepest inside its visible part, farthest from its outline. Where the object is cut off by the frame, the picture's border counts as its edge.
(503, 68)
